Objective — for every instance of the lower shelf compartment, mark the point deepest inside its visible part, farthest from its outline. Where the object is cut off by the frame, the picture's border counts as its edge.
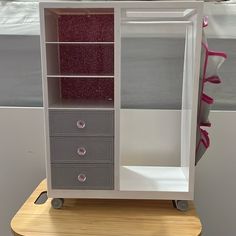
(152, 178)
(69, 92)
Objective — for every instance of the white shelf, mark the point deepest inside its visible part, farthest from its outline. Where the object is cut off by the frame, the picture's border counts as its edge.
(58, 42)
(82, 76)
(152, 178)
(158, 13)
(78, 11)
(82, 104)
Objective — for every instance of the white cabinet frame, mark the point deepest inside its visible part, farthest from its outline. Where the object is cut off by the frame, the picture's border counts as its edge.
(175, 13)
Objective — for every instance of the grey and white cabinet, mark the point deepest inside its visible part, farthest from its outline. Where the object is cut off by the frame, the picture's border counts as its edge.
(112, 130)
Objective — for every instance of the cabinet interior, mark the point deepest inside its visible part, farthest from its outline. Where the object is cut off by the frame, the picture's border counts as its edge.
(80, 57)
(152, 131)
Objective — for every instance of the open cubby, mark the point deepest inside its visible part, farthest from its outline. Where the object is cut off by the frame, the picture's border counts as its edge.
(66, 92)
(80, 41)
(80, 25)
(80, 59)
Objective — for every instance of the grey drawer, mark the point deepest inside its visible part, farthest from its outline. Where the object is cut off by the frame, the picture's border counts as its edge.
(82, 149)
(76, 123)
(82, 176)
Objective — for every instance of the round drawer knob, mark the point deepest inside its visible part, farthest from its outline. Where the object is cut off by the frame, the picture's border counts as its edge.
(82, 178)
(81, 124)
(81, 151)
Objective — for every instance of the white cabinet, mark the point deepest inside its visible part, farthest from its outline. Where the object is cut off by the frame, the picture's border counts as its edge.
(110, 129)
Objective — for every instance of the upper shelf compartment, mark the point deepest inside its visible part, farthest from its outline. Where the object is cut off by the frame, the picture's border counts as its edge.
(79, 25)
(150, 23)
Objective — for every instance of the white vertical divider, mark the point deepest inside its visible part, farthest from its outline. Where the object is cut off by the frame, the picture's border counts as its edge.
(196, 40)
(117, 65)
(52, 50)
(186, 101)
(190, 98)
(45, 95)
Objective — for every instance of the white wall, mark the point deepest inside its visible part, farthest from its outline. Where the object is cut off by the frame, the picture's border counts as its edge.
(21, 159)
(215, 189)
(22, 168)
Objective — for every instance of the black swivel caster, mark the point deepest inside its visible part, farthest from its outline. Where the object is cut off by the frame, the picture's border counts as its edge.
(181, 205)
(57, 203)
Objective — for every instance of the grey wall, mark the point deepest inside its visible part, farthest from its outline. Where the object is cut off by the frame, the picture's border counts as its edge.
(21, 159)
(20, 71)
(225, 93)
(215, 189)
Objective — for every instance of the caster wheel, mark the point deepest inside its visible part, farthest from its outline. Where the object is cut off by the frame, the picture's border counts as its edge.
(57, 203)
(181, 205)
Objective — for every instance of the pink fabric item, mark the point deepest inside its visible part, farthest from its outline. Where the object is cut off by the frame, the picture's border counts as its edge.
(210, 53)
(213, 79)
(204, 139)
(207, 99)
(206, 124)
(205, 21)
(207, 54)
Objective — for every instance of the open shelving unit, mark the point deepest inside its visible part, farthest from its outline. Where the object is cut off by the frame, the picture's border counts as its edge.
(80, 58)
(103, 85)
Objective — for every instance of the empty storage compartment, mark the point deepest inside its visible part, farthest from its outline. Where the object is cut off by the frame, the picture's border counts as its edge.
(80, 59)
(95, 92)
(79, 25)
(156, 100)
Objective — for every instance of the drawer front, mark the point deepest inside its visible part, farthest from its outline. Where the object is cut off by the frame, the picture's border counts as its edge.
(82, 149)
(76, 123)
(82, 176)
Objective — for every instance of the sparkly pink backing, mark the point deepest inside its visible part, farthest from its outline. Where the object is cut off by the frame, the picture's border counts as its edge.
(87, 88)
(87, 59)
(86, 28)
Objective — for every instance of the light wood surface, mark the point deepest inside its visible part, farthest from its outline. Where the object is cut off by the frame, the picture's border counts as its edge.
(104, 217)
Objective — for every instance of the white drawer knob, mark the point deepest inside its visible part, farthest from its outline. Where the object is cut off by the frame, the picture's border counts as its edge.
(81, 151)
(82, 178)
(81, 124)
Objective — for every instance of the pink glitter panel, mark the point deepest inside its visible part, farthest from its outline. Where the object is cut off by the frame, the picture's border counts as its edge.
(87, 88)
(86, 28)
(87, 59)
